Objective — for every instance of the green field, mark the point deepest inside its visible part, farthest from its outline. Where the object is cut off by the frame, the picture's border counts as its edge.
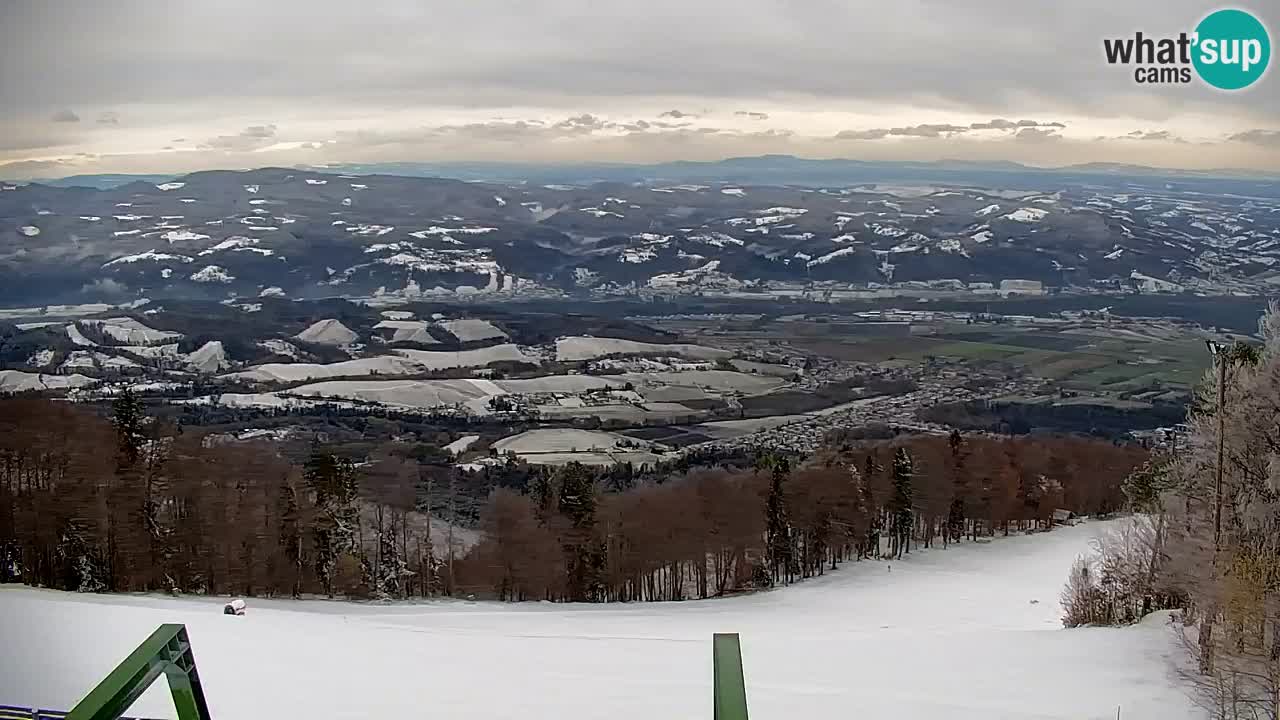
(1116, 362)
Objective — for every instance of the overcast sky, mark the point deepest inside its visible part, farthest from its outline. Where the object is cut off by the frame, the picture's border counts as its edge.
(176, 85)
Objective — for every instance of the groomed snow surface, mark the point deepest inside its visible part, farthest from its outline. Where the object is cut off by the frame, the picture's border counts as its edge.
(944, 634)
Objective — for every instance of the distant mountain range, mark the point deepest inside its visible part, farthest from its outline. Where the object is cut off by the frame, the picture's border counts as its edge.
(279, 232)
(758, 170)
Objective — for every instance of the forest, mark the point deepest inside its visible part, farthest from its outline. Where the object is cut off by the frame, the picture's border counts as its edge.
(135, 502)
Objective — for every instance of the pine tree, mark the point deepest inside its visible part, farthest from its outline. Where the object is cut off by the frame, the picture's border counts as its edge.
(290, 536)
(132, 512)
(584, 555)
(777, 523)
(871, 471)
(127, 416)
(540, 488)
(960, 485)
(333, 482)
(901, 505)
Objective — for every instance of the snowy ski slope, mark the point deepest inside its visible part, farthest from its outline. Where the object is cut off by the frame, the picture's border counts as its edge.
(951, 634)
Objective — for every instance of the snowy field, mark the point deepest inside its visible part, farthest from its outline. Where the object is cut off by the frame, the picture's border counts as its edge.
(971, 633)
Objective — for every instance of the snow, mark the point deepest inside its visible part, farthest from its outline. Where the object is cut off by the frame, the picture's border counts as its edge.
(406, 394)
(472, 330)
(281, 347)
(459, 446)
(408, 331)
(209, 358)
(943, 634)
(987, 210)
(154, 351)
(327, 332)
(29, 230)
(77, 337)
(176, 235)
(403, 362)
(434, 360)
(41, 358)
(130, 332)
(983, 236)
(170, 186)
(235, 241)
(823, 259)
(212, 273)
(18, 381)
(1027, 215)
(563, 440)
(571, 349)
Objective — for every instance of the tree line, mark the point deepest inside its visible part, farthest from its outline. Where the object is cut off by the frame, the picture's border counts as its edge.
(1207, 542)
(713, 531)
(133, 502)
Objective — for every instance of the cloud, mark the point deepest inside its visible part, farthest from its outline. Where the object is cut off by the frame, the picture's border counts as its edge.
(1002, 124)
(259, 131)
(1035, 134)
(677, 114)
(927, 130)
(66, 116)
(1257, 136)
(250, 138)
(584, 123)
(862, 134)
(752, 115)
(108, 118)
(1157, 135)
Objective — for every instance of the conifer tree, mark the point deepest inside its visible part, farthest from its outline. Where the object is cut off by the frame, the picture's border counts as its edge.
(871, 471)
(777, 523)
(333, 482)
(584, 558)
(901, 505)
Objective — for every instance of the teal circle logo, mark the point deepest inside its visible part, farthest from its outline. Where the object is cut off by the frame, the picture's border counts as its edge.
(1232, 49)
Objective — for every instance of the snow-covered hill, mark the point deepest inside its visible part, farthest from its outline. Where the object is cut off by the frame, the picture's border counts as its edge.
(305, 234)
(972, 633)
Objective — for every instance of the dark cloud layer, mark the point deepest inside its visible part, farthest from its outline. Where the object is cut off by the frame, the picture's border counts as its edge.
(414, 80)
(991, 55)
(1264, 138)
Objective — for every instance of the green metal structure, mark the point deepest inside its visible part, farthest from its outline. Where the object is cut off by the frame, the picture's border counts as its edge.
(730, 684)
(167, 652)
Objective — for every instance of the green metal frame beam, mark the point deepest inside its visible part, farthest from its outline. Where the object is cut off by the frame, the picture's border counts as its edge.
(730, 684)
(167, 652)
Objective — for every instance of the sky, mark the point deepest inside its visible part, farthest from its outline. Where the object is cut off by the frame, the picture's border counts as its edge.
(142, 86)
